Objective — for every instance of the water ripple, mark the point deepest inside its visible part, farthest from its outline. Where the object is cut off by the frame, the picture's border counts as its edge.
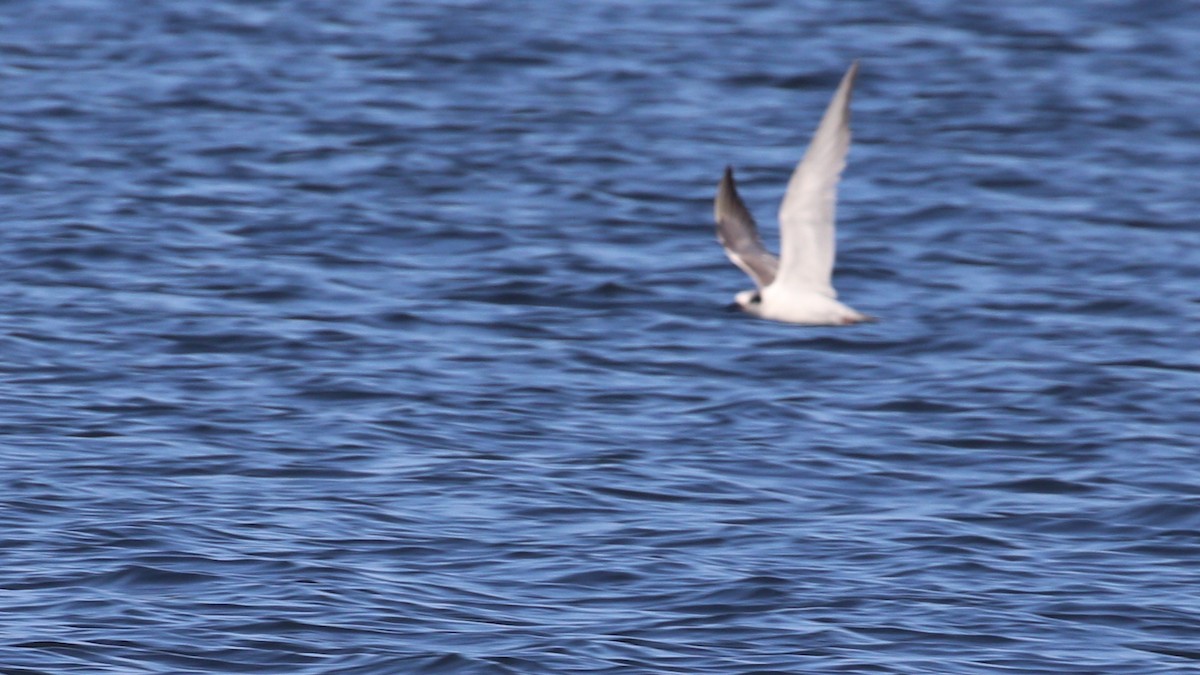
(378, 338)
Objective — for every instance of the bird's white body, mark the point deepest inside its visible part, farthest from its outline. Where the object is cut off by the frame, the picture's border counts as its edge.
(797, 286)
(780, 303)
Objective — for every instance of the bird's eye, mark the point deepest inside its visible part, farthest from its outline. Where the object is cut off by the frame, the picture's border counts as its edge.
(756, 298)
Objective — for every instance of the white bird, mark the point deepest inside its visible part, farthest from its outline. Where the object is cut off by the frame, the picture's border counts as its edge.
(796, 287)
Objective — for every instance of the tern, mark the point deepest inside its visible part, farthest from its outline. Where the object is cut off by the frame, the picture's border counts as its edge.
(797, 286)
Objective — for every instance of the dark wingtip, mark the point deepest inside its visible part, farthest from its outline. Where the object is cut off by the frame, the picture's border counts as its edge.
(726, 178)
(727, 199)
(727, 184)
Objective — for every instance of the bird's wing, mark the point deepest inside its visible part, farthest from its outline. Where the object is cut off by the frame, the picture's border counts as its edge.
(806, 216)
(739, 235)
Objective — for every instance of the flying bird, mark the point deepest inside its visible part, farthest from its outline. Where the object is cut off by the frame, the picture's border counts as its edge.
(797, 286)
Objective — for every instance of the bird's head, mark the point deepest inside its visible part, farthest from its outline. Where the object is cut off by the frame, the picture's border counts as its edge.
(749, 301)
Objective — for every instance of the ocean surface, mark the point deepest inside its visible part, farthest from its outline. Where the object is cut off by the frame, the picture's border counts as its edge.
(394, 337)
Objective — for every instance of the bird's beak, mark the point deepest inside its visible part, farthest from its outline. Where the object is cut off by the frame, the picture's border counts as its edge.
(733, 307)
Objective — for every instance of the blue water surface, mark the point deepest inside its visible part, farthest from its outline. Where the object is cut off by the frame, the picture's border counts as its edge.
(393, 337)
